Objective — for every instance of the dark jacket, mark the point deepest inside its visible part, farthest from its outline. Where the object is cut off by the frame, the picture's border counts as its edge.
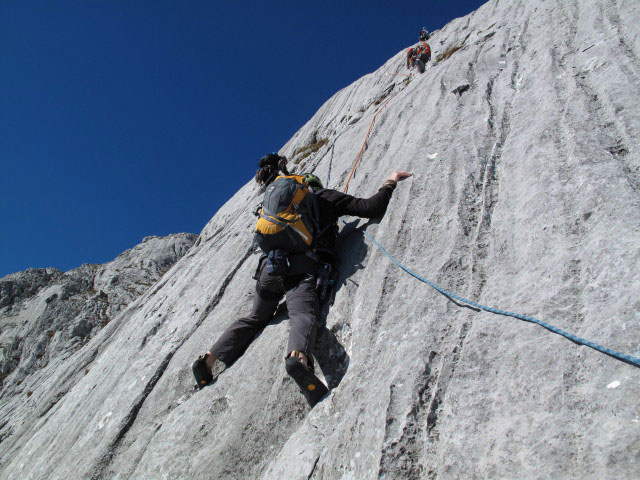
(334, 204)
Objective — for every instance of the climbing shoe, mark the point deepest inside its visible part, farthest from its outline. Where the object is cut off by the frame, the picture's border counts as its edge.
(201, 373)
(310, 385)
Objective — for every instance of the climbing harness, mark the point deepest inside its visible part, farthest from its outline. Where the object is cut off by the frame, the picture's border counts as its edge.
(580, 341)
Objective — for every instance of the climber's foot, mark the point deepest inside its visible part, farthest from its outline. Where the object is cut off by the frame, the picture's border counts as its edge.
(310, 385)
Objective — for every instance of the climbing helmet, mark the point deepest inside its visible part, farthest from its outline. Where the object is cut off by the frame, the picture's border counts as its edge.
(312, 180)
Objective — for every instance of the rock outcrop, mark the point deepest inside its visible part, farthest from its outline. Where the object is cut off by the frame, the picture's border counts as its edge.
(523, 139)
(47, 315)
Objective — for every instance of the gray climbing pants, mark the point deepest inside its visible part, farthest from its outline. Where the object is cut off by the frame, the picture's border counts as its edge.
(302, 304)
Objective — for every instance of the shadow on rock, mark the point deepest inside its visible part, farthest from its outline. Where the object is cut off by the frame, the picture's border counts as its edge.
(331, 356)
(330, 353)
(352, 251)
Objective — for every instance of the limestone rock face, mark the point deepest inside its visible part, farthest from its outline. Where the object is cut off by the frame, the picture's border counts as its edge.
(47, 315)
(522, 135)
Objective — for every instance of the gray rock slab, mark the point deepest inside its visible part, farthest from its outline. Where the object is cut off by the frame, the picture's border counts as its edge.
(522, 135)
(48, 317)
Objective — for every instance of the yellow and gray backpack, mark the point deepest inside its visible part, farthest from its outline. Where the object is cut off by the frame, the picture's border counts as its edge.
(288, 218)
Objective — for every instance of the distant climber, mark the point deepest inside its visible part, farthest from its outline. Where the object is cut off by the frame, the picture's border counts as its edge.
(419, 56)
(411, 57)
(424, 35)
(297, 231)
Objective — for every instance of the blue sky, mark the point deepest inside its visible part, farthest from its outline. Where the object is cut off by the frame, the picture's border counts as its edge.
(122, 119)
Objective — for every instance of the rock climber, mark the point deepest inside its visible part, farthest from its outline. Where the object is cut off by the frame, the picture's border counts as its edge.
(299, 284)
(419, 56)
(424, 35)
(411, 57)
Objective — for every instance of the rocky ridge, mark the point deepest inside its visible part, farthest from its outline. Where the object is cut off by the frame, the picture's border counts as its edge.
(522, 135)
(46, 315)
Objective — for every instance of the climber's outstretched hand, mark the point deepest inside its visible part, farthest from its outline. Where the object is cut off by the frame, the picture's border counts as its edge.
(398, 176)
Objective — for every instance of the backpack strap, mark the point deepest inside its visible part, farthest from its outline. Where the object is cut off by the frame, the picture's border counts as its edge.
(274, 218)
(286, 223)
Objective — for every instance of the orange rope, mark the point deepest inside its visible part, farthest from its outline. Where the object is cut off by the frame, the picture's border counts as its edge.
(365, 142)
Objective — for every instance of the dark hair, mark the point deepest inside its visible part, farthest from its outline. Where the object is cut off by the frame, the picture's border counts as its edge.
(269, 159)
(270, 166)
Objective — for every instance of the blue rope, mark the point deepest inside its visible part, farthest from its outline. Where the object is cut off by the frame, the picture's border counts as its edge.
(580, 341)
